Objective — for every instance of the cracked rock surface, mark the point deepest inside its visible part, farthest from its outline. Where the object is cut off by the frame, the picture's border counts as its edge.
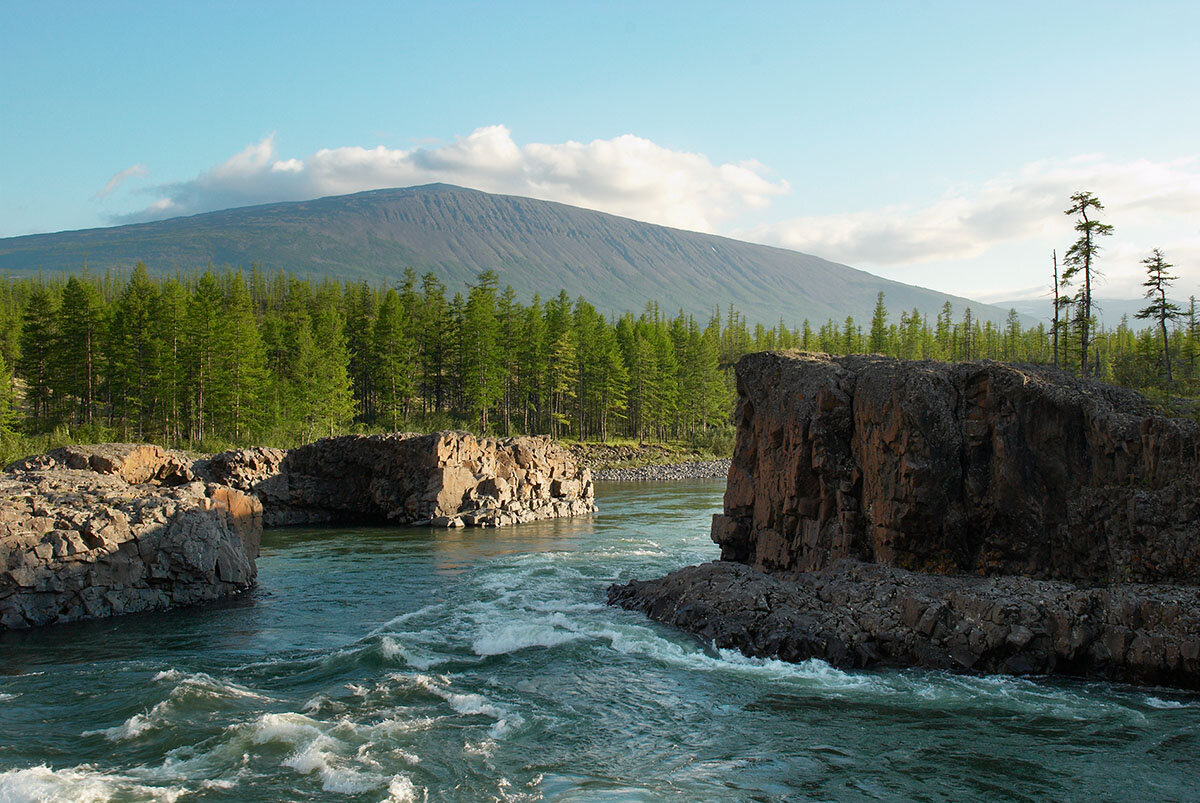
(91, 531)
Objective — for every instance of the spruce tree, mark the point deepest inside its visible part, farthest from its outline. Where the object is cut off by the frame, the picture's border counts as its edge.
(878, 340)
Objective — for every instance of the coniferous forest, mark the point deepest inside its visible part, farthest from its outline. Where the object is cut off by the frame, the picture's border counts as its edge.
(225, 358)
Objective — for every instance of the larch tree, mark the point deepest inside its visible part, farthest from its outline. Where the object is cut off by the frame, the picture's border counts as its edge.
(1080, 265)
(80, 323)
(36, 363)
(392, 360)
(878, 339)
(1160, 309)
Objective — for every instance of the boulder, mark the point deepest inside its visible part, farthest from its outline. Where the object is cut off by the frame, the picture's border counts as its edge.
(853, 614)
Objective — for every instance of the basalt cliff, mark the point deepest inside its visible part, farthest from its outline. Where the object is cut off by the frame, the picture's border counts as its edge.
(94, 531)
(973, 516)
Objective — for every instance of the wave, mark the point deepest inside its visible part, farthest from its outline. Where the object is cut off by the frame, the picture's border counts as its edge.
(192, 691)
(81, 784)
(513, 637)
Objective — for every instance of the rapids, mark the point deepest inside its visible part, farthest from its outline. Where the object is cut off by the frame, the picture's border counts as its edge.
(380, 664)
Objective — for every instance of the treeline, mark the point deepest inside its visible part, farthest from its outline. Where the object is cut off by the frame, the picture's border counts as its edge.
(237, 358)
(225, 357)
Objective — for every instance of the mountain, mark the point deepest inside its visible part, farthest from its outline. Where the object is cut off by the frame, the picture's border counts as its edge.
(536, 246)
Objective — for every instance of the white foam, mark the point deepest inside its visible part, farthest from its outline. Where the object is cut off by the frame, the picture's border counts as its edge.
(520, 636)
(402, 790)
(335, 775)
(81, 784)
(1158, 702)
(472, 705)
(393, 650)
(4, 696)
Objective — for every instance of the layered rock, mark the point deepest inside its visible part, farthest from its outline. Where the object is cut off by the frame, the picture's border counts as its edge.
(446, 479)
(102, 530)
(928, 476)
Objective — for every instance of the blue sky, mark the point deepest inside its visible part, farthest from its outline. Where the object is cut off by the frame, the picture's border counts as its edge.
(933, 143)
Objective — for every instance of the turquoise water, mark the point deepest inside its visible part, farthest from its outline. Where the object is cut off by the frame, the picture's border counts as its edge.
(376, 664)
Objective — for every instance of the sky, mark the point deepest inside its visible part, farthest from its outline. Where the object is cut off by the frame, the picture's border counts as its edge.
(932, 143)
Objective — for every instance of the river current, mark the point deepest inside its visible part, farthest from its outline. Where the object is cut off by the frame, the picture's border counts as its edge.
(407, 665)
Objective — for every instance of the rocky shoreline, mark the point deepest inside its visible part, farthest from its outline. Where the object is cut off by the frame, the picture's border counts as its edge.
(975, 516)
(691, 470)
(857, 615)
(93, 531)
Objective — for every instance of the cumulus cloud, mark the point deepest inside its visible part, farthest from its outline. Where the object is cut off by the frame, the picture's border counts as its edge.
(1015, 207)
(626, 175)
(119, 178)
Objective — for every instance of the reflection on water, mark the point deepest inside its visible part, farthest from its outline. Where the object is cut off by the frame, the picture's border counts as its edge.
(399, 664)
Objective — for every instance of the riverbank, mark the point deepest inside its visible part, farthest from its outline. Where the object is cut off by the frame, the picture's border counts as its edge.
(665, 472)
(648, 462)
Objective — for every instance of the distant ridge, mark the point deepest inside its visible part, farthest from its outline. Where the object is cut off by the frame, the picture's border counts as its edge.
(536, 246)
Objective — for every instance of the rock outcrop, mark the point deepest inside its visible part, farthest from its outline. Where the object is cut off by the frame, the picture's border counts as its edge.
(866, 491)
(101, 530)
(447, 479)
(856, 614)
(978, 468)
(95, 531)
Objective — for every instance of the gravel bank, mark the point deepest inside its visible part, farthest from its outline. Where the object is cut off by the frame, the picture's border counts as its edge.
(695, 470)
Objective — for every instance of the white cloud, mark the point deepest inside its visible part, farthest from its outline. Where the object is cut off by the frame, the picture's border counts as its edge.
(626, 175)
(982, 240)
(119, 178)
(1020, 206)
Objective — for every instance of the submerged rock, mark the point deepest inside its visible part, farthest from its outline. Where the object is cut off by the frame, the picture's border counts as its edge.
(965, 470)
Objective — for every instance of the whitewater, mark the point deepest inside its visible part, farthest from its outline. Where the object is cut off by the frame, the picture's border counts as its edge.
(377, 664)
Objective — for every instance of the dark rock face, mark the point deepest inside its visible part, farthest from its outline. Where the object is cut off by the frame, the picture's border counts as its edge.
(95, 531)
(976, 468)
(447, 479)
(970, 516)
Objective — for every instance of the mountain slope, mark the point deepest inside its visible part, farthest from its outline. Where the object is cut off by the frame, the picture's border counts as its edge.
(536, 246)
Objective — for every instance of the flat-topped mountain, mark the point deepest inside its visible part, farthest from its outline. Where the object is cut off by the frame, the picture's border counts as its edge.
(536, 246)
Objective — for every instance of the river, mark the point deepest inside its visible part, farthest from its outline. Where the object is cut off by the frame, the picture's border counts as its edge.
(381, 664)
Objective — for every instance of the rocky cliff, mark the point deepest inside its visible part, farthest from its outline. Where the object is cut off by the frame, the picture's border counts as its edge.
(869, 500)
(102, 530)
(978, 468)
